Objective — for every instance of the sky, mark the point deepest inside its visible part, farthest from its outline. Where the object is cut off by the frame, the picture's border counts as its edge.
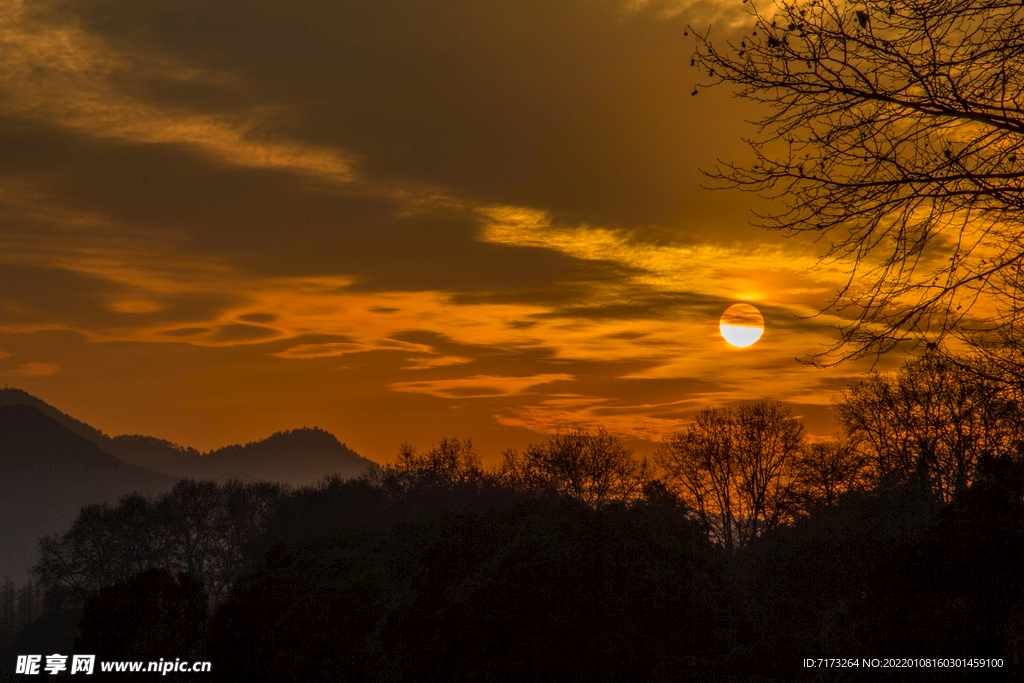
(397, 220)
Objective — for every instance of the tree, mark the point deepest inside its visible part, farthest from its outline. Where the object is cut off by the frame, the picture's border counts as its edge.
(198, 528)
(827, 469)
(933, 420)
(592, 467)
(896, 133)
(450, 463)
(736, 468)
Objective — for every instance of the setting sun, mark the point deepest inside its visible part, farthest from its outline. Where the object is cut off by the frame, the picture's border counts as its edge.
(741, 325)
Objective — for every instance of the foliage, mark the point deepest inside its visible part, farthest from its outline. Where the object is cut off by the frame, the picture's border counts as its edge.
(825, 470)
(451, 463)
(437, 568)
(896, 132)
(885, 569)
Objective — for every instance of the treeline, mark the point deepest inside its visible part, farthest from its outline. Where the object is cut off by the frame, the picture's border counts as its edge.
(197, 528)
(740, 550)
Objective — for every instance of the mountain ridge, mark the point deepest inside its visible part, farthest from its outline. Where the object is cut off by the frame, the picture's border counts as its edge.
(297, 456)
(51, 465)
(47, 473)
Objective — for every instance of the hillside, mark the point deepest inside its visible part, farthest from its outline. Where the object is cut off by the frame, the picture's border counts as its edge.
(297, 457)
(47, 473)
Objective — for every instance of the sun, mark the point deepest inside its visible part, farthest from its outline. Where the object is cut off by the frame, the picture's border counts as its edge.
(741, 325)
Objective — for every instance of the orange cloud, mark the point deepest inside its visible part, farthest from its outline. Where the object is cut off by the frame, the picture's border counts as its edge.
(33, 370)
(478, 386)
(435, 362)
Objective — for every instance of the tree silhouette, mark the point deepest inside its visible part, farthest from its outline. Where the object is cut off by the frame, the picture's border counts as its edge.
(592, 467)
(736, 468)
(450, 463)
(198, 528)
(932, 420)
(827, 469)
(896, 132)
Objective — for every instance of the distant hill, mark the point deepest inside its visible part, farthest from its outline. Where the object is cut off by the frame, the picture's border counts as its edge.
(296, 457)
(47, 473)
(15, 397)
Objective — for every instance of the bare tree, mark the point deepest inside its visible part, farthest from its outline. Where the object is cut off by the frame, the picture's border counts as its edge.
(896, 133)
(934, 420)
(593, 467)
(825, 470)
(200, 528)
(451, 462)
(699, 463)
(736, 469)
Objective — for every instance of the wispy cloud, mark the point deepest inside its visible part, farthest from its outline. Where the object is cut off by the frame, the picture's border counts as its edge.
(70, 78)
(32, 370)
(478, 386)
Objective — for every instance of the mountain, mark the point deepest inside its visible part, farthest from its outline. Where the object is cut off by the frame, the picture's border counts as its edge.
(297, 457)
(15, 397)
(47, 473)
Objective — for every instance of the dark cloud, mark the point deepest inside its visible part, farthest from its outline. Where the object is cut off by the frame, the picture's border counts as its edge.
(185, 332)
(240, 332)
(582, 107)
(37, 295)
(267, 222)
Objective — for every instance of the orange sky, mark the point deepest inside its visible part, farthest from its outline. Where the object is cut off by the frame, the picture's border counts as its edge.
(396, 220)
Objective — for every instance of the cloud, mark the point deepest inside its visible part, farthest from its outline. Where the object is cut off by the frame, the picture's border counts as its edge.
(478, 386)
(258, 317)
(332, 349)
(184, 331)
(428, 183)
(32, 370)
(579, 106)
(435, 362)
(243, 333)
(70, 78)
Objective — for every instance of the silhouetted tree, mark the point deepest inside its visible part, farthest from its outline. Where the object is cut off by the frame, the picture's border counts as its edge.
(825, 470)
(243, 513)
(8, 613)
(932, 420)
(736, 468)
(199, 528)
(535, 589)
(105, 545)
(591, 467)
(451, 463)
(896, 130)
